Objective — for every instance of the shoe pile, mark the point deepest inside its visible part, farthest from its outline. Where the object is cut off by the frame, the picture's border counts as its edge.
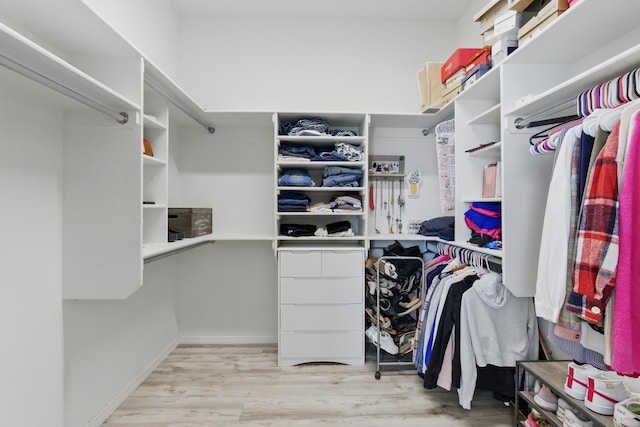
(393, 298)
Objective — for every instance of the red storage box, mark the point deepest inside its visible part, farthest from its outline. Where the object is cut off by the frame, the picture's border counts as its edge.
(482, 58)
(457, 61)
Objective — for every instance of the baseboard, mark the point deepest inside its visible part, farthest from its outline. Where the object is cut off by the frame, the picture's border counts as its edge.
(101, 416)
(228, 340)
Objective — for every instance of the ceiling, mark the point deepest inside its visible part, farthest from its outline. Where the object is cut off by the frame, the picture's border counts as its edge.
(427, 10)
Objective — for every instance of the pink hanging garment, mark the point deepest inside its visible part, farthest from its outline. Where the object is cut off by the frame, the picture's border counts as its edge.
(625, 334)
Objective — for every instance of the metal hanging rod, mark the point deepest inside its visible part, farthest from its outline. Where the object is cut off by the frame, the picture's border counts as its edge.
(521, 123)
(185, 109)
(120, 116)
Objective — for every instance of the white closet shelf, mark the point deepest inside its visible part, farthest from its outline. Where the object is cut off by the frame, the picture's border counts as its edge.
(318, 165)
(153, 161)
(316, 238)
(176, 94)
(492, 150)
(487, 87)
(334, 213)
(322, 140)
(482, 199)
(153, 123)
(464, 245)
(156, 250)
(551, 45)
(155, 206)
(323, 189)
(413, 237)
(28, 54)
(570, 89)
(490, 116)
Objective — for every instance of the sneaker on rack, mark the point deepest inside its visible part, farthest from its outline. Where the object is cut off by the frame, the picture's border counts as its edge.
(576, 419)
(627, 413)
(563, 406)
(386, 341)
(546, 399)
(604, 390)
(576, 382)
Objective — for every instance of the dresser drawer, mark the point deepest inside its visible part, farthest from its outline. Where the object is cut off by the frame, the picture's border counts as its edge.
(321, 346)
(300, 263)
(343, 317)
(340, 290)
(342, 263)
(321, 263)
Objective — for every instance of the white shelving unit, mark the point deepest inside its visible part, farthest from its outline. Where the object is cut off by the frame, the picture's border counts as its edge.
(315, 169)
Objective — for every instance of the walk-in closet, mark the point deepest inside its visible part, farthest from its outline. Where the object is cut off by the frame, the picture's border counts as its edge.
(294, 213)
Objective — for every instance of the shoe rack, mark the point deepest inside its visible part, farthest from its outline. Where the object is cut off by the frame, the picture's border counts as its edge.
(553, 374)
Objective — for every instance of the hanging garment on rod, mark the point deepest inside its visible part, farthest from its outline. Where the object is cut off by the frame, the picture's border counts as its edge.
(438, 355)
(608, 95)
(594, 263)
(496, 329)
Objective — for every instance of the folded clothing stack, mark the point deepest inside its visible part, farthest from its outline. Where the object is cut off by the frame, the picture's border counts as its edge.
(484, 221)
(296, 178)
(337, 176)
(293, 201)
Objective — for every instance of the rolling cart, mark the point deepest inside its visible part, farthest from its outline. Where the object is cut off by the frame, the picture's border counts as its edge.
(420, 294)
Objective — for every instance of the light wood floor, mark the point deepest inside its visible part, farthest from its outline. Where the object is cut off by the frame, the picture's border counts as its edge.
(241, 385)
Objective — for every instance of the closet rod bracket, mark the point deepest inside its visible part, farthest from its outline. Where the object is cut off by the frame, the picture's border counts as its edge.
(124, 119)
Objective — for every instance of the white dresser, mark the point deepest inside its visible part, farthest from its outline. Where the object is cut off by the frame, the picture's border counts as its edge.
(321, 305)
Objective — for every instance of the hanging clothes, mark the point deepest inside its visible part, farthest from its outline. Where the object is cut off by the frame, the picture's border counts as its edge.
(626, 316)
(551, 280)
(496, 329)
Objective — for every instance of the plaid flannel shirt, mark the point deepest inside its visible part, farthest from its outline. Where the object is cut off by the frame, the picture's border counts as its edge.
(597, 239)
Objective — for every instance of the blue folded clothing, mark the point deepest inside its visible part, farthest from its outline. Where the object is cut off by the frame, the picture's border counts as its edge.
(482, 221)
(490, 206)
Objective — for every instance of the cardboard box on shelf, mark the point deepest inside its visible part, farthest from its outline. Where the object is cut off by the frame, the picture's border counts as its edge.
(503, 47)
(507, 22)
(483, 58)
(526, 37)
(539, 14)
(457, 61)
(519, 5)
(451, 93)
(474, 75)
(487, 15)
(455, 80)
(430, 87)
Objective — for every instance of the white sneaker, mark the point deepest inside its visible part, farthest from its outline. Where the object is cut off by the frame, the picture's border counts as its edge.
(627, 413)
(576, 382)
(573, 419)
(563, 407)
(604, 390)
(386, 341)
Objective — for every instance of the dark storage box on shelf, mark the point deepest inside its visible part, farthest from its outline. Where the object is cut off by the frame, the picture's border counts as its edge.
(193, 222)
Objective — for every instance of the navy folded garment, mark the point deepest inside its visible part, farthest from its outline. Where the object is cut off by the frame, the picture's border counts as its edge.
(297, 230)
(432, 227)
(338, 227)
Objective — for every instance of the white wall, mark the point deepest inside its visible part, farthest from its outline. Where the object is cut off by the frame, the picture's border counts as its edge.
(111, 346)
(151, 26)
(229, 293)
(31, 359)
(468, 31)
(307, 64)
